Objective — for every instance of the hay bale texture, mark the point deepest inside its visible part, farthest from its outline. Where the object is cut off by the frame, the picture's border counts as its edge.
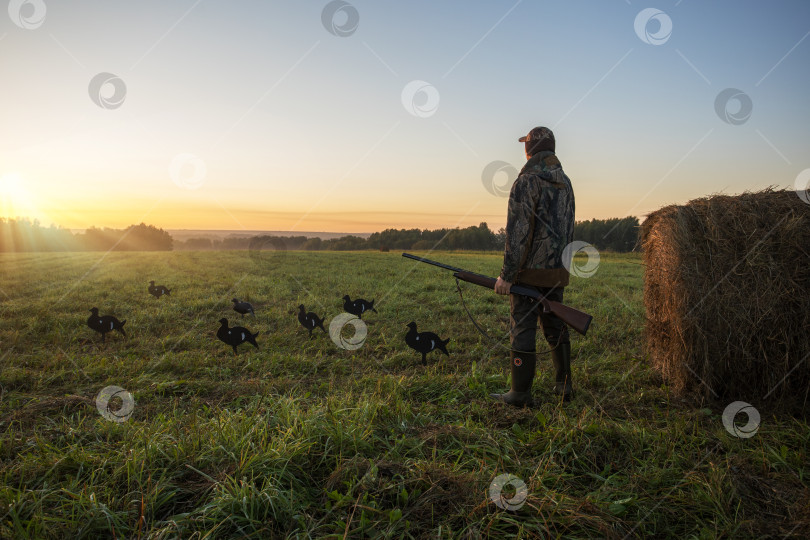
(727, 295)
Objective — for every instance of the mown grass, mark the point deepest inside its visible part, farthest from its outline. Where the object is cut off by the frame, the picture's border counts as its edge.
(304, 439)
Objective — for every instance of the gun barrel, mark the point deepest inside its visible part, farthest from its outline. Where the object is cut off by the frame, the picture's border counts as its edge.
(489, 282)
(434, 263)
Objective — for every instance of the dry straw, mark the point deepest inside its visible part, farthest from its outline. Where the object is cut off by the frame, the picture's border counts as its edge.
(727, 294)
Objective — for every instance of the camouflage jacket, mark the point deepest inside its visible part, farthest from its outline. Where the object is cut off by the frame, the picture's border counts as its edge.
(539, 224)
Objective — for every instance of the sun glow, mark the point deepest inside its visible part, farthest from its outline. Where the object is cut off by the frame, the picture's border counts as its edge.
(16, 201)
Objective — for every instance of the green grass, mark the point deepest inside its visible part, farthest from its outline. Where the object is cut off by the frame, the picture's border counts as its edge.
(304, 439)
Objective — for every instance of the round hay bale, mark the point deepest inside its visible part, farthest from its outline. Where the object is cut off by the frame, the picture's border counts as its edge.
(727, 295)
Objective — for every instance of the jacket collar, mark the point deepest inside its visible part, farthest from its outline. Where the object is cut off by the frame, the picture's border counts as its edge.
(536, 161)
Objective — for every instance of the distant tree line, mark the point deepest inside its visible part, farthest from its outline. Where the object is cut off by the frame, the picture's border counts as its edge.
(475, 238)
(472, 238)
(266, 242)
(617, 234)
(26, 235)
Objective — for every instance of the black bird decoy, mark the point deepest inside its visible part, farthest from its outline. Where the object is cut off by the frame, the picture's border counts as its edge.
(158, 290)
(104, 324)
(424, 342)
(357, 307)
(235, 336)
(310, 320)
(242, 307)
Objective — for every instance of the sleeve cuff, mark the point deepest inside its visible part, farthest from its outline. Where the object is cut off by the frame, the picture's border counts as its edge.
(508, 276)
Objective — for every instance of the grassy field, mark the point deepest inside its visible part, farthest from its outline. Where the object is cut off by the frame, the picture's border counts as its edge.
(304, 439)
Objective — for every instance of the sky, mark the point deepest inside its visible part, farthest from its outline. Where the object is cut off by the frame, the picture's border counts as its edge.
(358, 116)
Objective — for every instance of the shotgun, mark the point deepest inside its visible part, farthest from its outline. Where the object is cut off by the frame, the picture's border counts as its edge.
(578, 320)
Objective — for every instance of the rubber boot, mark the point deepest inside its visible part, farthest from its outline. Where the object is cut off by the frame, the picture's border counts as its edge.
(561, 357)
(523, 366)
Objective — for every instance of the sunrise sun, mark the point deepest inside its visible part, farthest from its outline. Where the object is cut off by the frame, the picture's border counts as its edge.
(15, 199)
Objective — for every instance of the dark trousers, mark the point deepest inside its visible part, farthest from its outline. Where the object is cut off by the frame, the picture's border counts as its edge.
(524, 314)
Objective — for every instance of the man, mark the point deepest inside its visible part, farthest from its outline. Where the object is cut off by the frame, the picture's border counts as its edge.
(539, 226)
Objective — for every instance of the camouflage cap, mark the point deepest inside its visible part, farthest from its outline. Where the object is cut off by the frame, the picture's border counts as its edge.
(538, 134)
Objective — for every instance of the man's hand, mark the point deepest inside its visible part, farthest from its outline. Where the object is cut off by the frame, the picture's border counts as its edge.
(502, 287)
